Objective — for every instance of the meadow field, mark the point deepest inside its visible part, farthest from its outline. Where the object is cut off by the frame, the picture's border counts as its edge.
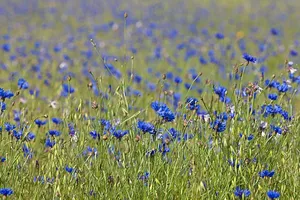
(112, 99)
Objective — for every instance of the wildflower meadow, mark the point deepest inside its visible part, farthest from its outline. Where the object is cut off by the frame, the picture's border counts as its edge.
(111, 99)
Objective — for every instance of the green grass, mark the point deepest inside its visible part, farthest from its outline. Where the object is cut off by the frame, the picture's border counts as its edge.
(197, 168)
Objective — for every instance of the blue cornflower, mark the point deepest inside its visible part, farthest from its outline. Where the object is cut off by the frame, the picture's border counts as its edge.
(144, 177)
(69, 169)
(218, 125)
(272, 194)
(56, 120)
(57, 48)
(266, 173)
(272, 96)
(40, 123)
(249, 58)
(6, 47)
(192, 103)
(6, 191)
(241, 192)
(49, 143)
(285, 115)
(188, 86)
(169, 75)
(272, 110)
(283, 87)
(219, 36)
(30, 136)
(2, 106)
(165, 138)
(202, 60)
(106, 123)
(177, 80)
(72, 130)
(54, 133)
(164, 149)
(9, 127)
(175, 134)
(276, 129)
(220, 91)
(27, 152)
(17, 134)
(293, 53)
(95, 135)
(90, 151)
(23, 84)
(5, 94)
(17, 115)
(66, 90)
(272, 84)
(163, 111)
(250, 137)
(2, 159)
(146, 127)
(274, 31)
(120, 133)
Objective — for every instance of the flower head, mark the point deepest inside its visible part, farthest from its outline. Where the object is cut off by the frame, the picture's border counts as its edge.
(49, 143)
(266, 173)
(27, 152)
(56, 120)
(241, 192)
(2, 159)
(272, 194)
(66, 90)
(30, 136)
(249, 58)
(192, 103)
(163, 111)
(94, 135)
(219, 36)
(273, 97)
(6, 191)
(146, 127)
(284, 87)
(23, 84)
(120, 133)
(69, 169)
(54, 133)
(5, 94)
(40, 123)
